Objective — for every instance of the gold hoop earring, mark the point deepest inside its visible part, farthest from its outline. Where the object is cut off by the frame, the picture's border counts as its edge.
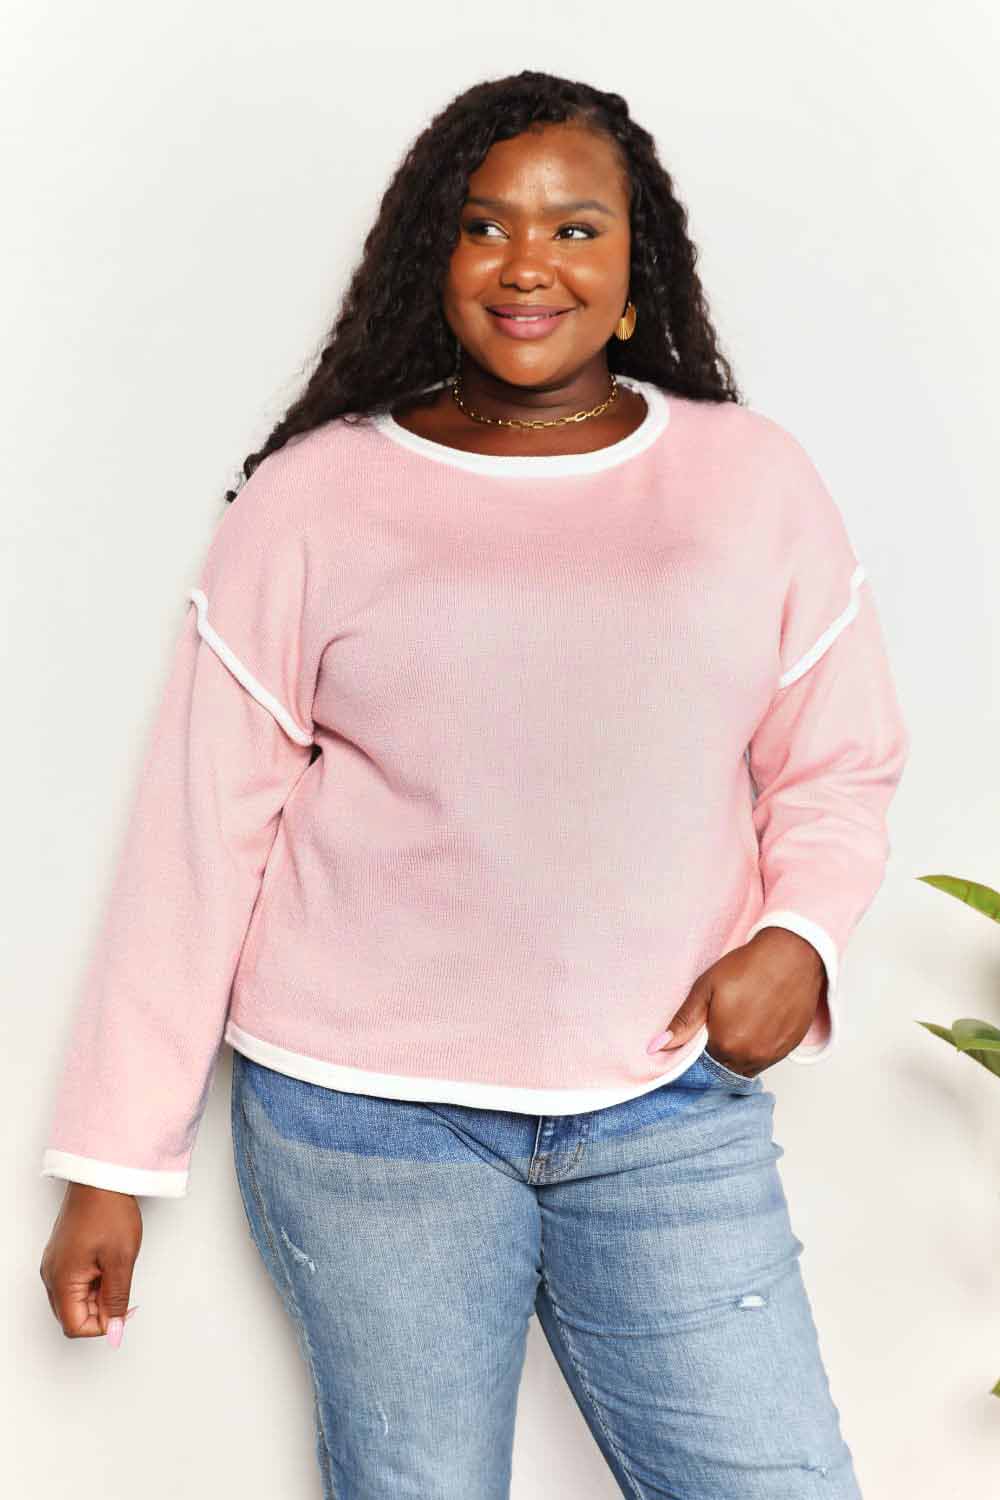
(625, 326)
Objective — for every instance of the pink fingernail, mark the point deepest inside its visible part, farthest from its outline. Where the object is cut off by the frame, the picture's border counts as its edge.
(116, 1330)
(130, 1312)
(659, 1041)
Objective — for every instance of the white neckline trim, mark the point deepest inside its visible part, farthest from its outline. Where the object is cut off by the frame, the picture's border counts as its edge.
(551, 465)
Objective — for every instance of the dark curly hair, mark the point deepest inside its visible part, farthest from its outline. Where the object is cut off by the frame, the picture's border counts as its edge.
(390, 340)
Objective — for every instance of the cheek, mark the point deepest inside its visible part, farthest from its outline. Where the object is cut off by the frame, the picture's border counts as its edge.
(470, 269)
(601, 278)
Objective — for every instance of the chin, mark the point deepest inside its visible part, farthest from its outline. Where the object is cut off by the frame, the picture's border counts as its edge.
(524, 373)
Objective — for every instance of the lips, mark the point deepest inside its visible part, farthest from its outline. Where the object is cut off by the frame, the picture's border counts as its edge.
(520, 313)
(527, 322)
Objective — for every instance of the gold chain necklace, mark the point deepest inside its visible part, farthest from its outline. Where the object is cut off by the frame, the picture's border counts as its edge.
(578, 416)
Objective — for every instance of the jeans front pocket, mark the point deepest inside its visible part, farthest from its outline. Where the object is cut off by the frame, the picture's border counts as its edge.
(738, 1082)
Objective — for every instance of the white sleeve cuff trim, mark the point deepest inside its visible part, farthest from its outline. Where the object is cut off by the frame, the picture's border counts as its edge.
(140, 1181)
(827, 949)
(826, 640)
(243, 674)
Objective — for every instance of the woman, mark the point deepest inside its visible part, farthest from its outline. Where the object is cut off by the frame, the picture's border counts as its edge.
(521, 772)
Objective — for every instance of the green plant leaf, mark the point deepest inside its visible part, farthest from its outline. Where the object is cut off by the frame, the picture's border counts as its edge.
(944, 1032)
(980, 897)
(976, 1039)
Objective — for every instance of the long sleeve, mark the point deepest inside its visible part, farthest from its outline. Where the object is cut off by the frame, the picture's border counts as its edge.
(828, 755)
(231, 736)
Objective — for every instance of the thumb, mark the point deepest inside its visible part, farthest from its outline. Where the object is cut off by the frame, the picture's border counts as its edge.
(691, 1015)
(114, 1292)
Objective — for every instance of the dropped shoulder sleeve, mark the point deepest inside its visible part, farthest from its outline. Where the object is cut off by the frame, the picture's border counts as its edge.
(230, 738)
(827, 756)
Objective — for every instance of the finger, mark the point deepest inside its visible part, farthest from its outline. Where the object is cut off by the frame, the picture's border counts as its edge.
(691, 1015)
(114, 1292)
(74, 1304)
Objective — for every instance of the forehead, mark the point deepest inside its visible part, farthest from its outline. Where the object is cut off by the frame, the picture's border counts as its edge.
(555, 161)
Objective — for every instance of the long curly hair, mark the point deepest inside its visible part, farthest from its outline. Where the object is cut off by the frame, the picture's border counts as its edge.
(390, 340)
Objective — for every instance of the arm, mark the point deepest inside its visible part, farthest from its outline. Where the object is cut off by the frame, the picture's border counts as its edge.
(828, 754)
(231, 736)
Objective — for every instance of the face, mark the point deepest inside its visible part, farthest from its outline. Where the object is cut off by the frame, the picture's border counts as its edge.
(545, 226)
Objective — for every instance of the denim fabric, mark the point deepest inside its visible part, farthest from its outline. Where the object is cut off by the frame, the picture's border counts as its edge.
(411, 1243)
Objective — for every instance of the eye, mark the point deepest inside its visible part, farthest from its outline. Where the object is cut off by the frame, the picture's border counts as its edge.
(479, 226)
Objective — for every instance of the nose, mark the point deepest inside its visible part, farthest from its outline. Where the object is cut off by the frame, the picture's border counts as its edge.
(528, 262)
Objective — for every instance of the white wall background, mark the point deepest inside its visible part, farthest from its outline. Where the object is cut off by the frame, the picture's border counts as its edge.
(187, 187)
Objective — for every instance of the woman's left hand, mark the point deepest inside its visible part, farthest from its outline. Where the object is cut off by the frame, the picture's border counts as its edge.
(758, 1001)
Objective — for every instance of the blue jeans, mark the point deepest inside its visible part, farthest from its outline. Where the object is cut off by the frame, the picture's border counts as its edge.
(410, 1244)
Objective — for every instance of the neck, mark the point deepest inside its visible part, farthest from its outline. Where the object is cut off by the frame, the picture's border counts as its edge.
(549, 401)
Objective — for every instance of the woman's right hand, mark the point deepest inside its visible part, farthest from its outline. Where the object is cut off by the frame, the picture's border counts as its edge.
(88, 1262)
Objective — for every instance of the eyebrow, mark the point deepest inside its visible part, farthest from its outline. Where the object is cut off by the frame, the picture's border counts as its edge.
(578, 205)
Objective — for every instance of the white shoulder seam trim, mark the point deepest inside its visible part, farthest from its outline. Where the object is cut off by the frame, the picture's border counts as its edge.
(243, 674)
(826, 640)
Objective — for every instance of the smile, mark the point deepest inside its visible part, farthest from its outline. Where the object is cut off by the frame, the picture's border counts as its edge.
(527, 325)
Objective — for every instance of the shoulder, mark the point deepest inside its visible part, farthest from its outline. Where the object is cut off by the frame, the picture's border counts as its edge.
(761, 475)
(768, 459)
(743, 434)
(303, 465)
(292, 489)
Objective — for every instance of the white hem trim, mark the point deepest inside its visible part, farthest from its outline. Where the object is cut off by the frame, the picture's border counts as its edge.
(551, 466)
(243, 674)
(829, 635)
(827, 949)
(140, 1181)
(448, 1090)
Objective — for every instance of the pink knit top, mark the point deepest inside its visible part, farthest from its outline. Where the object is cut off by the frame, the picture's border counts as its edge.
(466, 767)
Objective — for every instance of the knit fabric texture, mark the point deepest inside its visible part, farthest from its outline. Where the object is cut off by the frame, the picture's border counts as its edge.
(466, 767)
